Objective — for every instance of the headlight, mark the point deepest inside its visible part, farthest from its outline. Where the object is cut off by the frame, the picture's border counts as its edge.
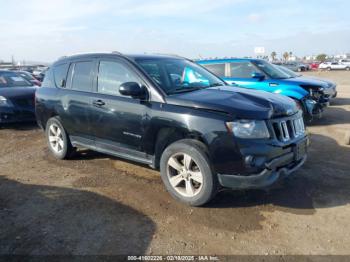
(4, 101)
(248, 129)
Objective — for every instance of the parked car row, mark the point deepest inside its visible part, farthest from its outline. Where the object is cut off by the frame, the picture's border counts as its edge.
(342, 64)
(294, 66)
(233, 123)
(335, 66)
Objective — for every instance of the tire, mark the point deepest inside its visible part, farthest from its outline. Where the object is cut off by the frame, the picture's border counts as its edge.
(329, 69)
(187, 174)
(58, 139)
(300, 69)
(347, 69)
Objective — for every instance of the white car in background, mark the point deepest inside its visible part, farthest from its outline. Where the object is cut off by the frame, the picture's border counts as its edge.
(345, 61)
(334, 66)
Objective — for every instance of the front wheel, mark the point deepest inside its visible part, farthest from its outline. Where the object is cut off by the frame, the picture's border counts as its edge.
(187, 174)
(347, 69)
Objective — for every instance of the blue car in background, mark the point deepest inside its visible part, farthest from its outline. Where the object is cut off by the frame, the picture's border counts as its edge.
(259, 74)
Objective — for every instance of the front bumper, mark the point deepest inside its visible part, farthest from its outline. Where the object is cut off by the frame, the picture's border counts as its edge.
(277, 168)
(315, 108)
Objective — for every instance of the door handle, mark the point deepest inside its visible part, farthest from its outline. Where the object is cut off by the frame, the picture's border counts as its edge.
(98, 103)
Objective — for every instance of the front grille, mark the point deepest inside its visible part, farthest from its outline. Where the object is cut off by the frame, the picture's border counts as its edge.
(288, 128)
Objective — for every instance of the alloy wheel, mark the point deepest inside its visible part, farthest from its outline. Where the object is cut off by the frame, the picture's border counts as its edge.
(56, 138)
(184, 174)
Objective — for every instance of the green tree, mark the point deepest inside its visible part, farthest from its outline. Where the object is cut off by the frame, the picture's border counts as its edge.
(285, 55)
(321, 57)
(273, 55)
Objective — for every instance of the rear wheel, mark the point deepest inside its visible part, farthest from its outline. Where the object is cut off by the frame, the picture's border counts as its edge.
(329, 69)
(57, 139)
(347, 69)
(187, 174)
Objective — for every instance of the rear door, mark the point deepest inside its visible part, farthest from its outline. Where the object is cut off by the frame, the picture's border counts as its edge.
(76, 98)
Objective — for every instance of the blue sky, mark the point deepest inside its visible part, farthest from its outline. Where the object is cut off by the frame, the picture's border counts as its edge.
(45, 30)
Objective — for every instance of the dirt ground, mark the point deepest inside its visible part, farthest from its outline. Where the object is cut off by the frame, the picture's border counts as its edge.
(96, 204)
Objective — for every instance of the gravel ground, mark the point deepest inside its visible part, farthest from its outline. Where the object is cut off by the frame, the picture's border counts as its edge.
(96, 204)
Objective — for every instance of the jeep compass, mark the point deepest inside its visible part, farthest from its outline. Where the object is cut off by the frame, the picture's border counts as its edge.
(174, 115)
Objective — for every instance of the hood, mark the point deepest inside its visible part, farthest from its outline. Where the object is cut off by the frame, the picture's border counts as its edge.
(328, 83)
(305, 81)
(239, 102)
(14, 92)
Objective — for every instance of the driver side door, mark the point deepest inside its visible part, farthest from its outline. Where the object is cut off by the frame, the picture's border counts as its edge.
(240, 73)
(119, 121)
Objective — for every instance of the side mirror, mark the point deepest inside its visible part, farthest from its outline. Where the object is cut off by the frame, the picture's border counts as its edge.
(259, 76)
(132, 89)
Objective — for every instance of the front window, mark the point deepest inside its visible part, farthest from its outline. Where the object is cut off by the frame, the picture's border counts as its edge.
(10, 79)
(178, 75)
(270, 70)
(111, 75)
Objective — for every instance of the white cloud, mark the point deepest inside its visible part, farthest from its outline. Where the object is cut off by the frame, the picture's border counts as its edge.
(255, 17)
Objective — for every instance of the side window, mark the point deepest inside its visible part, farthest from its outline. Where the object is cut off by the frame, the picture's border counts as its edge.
(111, 74)
(60, 74)
(217, 69)
(82, 76)
(242, 70)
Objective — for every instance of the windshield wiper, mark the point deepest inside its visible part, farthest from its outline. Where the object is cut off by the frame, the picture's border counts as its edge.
(183, 90)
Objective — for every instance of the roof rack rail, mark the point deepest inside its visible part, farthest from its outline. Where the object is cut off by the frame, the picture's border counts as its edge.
(117, 53)
(84, 53)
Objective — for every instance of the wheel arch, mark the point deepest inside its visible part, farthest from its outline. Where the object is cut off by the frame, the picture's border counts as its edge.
(168, 135)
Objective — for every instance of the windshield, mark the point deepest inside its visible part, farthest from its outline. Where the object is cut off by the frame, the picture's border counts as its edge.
(288, 71)
(178, 75)
(26, 76)
(10, 79)
(270, 70)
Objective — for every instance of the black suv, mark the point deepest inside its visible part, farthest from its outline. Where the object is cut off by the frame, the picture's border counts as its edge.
(171, 114)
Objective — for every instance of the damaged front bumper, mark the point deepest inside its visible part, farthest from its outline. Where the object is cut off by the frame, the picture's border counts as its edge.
(275, 169)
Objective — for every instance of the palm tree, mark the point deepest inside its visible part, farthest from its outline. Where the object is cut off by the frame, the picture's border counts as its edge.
(273, 55)
(285, 55)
